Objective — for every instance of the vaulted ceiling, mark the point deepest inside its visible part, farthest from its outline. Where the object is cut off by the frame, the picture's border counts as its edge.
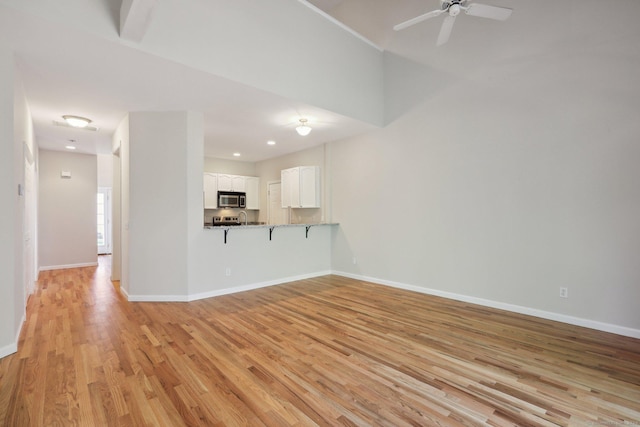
(67, 68)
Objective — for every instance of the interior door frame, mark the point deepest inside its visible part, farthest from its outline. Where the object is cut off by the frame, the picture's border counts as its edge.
(269, 213)
(108, 232)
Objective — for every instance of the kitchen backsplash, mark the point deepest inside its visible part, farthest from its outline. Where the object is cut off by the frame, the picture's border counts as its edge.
(252, 216)
(298, 216)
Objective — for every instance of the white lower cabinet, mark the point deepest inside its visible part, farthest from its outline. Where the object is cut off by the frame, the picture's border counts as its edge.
(300, 187)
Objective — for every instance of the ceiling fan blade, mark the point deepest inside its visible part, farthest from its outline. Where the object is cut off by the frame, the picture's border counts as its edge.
(445, 30)
(417, 19)
(486, 11)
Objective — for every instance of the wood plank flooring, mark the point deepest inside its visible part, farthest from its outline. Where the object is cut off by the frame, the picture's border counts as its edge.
(328, 351)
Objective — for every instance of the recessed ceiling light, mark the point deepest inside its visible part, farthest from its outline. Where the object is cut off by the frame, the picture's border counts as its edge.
(236, 154)
(76, 121)
(70, 147)
(271, 143)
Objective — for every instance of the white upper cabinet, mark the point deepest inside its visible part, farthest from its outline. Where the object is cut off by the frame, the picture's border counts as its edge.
(231, 183)
(300, 187)
(286, 180)
(210, 191)
(238, 183)
(252, 188)
(214, 182)
(224, 182)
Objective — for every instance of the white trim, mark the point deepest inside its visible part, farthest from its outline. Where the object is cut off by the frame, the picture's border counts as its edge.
(253, 286)
(108, 226)
(8, 349)
(124, 292)
(341, 25)
(577, 321)
(62, 267)
(156, 298)
(220, 292)
(24, 318)
(13, 347)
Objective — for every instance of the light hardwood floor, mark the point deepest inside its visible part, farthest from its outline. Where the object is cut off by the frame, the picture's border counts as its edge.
(326, 351)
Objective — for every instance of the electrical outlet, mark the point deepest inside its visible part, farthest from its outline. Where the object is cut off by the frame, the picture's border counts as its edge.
(564, 292)
(228, 271)
(355, 261)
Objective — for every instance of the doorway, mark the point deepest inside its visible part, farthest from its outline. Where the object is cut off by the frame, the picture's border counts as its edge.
(104, 220)
(277, 214)
(29, 234)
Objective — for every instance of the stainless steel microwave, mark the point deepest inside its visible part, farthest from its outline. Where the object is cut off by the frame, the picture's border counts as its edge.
(231, 199)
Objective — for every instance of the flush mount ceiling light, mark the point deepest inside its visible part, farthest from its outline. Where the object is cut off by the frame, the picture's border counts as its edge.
(303, 129)
(76, 121)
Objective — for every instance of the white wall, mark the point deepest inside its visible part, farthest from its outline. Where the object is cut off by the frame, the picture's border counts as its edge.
(158, 202)
(297, 61)
(120, 201)
(504, 186)
(9, 221)
(26, 158)
(18, 187)
(105, 170)
(232, 167)
(67, 210)
(237, 41)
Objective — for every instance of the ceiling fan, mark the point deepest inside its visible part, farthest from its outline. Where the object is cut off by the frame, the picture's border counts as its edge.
(452, 8)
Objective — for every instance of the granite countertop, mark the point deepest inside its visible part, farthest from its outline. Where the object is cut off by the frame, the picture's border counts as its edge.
(263, 225)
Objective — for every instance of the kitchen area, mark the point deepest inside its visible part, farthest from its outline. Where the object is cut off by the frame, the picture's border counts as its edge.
(264, 223)
(234, 200)
(261, 194)
(172, 251)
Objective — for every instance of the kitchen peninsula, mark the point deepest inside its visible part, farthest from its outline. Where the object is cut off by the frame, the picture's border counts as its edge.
(251, 254)
(269, 227)
(233, 259)
(169, 255)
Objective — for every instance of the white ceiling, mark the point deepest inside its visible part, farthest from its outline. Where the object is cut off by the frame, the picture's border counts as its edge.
(102, 80)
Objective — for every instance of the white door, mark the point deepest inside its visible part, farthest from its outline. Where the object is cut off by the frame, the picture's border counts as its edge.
(104, 220)
(277, 214)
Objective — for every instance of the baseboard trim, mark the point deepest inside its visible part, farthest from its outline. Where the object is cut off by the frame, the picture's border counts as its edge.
(258, 285)
(8, 350)
(156, 298)
(571, 320)
(24, 319)
(63, 267)
(13, 347)
(220, 292)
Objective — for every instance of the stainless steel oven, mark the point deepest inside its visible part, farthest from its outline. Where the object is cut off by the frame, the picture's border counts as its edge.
(231, 199)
